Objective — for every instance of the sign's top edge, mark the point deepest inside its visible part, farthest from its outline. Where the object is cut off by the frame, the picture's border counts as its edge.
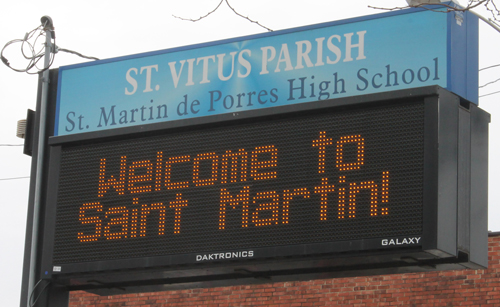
(255, 36)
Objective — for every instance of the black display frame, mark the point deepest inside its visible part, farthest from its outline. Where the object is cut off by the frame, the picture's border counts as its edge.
(446, 241)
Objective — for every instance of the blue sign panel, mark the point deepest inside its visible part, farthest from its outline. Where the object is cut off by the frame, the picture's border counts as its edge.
(378, 53)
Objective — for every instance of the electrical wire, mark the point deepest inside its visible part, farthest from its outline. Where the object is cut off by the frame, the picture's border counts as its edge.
(29, 51)
(488, 67)
(77, 53)
(489, 94)
(14, 178)
(30, 302)
(486, 84)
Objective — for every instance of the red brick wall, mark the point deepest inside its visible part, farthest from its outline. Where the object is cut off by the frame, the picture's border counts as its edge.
(447, 288)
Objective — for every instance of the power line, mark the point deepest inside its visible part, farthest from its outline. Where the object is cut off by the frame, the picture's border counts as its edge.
(489, 83)
(490, 94)
(34, 51)
(488, 67)
(14, 178)
(77, 53)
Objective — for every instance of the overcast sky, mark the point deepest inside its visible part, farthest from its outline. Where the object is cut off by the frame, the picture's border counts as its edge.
(107, 29)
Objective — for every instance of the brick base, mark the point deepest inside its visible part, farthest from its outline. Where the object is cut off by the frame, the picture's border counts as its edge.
(447, 288)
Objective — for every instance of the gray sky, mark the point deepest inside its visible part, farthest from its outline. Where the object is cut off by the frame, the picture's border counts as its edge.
(107, 29)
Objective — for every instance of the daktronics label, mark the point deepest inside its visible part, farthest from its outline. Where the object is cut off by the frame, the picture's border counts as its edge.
(224, 256)
(344, 175)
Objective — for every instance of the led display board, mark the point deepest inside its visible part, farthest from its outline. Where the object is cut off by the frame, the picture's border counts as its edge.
(387, 182)
(301, 180)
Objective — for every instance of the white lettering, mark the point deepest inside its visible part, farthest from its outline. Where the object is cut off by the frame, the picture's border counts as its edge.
(132, 81)
(319, 55)
(190, 72)
(334, 49)
(205, 67)
(360, 45)
(243, 62)
(284, 57)
(405, 241)
(148, 76)
(303, 55)
(176, 75)
(227, 255)
(220, 71)
(266, 59)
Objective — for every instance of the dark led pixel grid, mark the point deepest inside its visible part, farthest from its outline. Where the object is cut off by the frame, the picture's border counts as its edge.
(334, 176)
